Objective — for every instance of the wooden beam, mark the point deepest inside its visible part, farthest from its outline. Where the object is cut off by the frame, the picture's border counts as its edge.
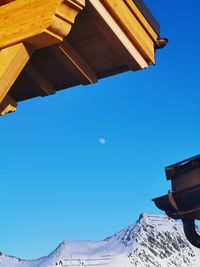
(132, 6)
(116, 36)
(132, 27)
(7, 105)
(40, 23)
(42, 82)
(12, 62)
(87, 75)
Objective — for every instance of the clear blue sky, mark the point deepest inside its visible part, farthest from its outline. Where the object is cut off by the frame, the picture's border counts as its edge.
(58, 182)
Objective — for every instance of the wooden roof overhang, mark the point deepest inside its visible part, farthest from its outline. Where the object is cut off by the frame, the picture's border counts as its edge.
(50, 45)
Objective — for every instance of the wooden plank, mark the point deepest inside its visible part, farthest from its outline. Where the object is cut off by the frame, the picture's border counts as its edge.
(21, 20)
(88, 75)
(43, 83)
(132, 27)
(132, 6)
(148, 15)
(116, 36)
(7, 105)
(12, 62)
(40, 23)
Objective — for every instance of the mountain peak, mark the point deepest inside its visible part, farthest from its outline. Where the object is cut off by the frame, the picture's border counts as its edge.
(154, 240)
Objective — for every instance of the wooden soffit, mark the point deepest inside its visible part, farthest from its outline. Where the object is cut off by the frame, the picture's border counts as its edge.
(46, 47)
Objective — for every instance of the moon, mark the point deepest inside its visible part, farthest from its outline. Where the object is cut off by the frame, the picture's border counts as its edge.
(102, 141)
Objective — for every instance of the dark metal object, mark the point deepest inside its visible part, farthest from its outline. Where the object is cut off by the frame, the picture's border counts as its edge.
(190, 232)
(183, 202)
(161, 43)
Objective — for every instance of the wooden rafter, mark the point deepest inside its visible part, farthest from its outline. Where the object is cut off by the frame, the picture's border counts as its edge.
(83, 69)
(138, 14)
(43, 83)
(39, 24)
(137, 34)
(34, 27)
(12, 62)
(110, 36)
(116, 36)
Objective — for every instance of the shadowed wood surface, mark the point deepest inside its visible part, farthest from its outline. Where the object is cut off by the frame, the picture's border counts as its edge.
(74, 42)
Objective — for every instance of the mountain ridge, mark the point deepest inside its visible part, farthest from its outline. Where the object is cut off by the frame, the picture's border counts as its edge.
(154, 240)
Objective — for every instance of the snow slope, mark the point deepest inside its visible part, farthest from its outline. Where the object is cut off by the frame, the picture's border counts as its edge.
(154, 240)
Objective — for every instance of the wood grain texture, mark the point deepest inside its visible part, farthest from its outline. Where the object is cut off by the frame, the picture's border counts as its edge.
(32, 20)
(132, 27)
(134, 9)
(108, 37)
(12, 62)
(130, 50)
(64, 18)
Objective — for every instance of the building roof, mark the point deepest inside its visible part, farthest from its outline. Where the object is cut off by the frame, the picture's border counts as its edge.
(182, 167)
(68, 43)
(148, 15)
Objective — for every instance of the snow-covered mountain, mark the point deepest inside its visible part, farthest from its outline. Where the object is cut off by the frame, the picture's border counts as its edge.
(154, 240)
